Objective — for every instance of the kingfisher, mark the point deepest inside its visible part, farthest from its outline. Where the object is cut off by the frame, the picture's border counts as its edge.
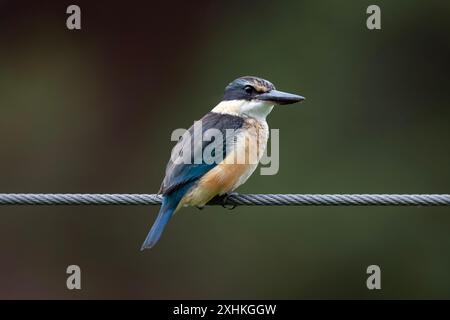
(246, 103)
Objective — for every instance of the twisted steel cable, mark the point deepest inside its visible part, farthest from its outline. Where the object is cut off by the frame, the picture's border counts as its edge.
(234, 199)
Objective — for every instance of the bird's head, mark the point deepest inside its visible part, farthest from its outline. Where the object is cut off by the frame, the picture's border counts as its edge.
(253, 96)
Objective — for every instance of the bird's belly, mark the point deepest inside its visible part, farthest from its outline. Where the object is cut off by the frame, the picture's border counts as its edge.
(235, 169)
(222, 179)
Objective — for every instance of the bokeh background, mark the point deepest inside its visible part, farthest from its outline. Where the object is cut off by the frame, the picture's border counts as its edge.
(92, 111)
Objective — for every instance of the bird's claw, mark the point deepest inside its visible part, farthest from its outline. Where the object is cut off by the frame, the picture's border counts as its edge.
(224, 201)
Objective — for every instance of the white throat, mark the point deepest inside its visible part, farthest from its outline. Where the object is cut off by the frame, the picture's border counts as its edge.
(257, 109)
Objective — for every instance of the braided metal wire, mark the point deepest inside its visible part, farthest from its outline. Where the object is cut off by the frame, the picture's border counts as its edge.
(234, 199)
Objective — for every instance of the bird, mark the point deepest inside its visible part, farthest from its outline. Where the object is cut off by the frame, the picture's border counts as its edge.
(246, 103)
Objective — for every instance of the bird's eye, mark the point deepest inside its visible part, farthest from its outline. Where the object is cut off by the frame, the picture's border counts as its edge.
(248, 89)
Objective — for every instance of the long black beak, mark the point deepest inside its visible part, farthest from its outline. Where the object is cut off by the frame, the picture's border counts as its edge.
(280, 97)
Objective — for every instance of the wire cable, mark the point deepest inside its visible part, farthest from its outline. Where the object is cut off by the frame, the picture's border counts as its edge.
(234, 199)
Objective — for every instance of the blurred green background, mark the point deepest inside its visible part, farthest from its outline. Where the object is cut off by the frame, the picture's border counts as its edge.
(92, 111)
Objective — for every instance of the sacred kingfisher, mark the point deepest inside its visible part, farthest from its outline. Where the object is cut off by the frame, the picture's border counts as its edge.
(241, 118)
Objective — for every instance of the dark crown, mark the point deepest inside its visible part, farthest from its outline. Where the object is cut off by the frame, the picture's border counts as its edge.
(246, 88)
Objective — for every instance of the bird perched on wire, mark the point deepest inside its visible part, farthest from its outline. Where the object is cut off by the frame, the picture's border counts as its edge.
(240, 121)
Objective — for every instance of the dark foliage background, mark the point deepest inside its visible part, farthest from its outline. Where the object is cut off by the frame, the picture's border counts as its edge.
(92, 111)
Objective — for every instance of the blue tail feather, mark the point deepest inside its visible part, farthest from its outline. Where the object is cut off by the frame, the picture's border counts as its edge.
(168, 207)
(164, 215)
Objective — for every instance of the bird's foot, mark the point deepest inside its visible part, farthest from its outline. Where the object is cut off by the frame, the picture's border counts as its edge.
(224, 201)
(200, 207)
